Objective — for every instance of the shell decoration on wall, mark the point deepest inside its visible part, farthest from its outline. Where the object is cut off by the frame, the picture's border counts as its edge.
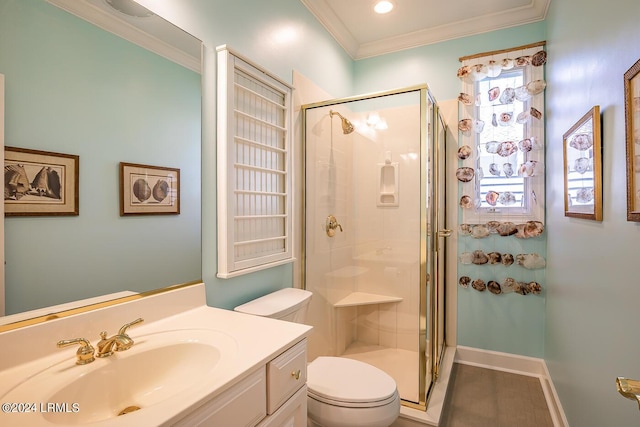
(507, 286)
(464, 152)
(525, 230)
(464, 281)
(479, 285)
(494, 257)
(530, 261)
(507, 198)
(465, 98)
(507, 260)
(494, 287)
(465, 174)
(466, 202)
(492, 198)
(493, 226)
(507, 148)
(508, 169)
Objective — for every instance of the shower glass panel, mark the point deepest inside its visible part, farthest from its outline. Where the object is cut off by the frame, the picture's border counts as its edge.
(367, 247)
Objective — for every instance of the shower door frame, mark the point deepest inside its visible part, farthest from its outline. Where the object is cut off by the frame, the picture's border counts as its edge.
(429, 119)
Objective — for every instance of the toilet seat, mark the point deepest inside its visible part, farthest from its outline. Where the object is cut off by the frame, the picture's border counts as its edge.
(349, 383)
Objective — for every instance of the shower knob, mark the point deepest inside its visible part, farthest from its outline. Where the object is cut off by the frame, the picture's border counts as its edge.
(331, 224)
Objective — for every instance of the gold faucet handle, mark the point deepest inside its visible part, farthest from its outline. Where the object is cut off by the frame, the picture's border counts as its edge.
(629, 388)
(124, 328)
(84, 354)
(123, 340)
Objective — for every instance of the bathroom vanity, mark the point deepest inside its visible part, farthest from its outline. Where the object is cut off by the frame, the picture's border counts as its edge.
(190, 365)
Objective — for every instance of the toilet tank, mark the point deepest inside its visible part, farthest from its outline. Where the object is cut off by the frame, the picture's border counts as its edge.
(288, 304)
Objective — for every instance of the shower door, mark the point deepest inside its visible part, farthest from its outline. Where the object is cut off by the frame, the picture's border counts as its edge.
(368, 249)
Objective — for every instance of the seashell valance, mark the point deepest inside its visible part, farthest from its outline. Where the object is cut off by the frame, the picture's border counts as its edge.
(492, 68)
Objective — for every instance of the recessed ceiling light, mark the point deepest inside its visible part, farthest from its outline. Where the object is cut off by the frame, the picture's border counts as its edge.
(383, 6)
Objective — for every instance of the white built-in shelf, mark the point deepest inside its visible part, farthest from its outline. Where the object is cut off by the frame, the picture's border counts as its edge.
(364, 298)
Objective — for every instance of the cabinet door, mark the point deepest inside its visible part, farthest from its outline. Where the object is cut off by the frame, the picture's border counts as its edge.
(243, 405)
(292, 414)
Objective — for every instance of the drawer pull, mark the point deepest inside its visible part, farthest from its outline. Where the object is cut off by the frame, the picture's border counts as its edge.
(296, 374)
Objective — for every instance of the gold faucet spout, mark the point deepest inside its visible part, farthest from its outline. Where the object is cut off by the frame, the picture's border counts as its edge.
(629, 389)
(119, 342)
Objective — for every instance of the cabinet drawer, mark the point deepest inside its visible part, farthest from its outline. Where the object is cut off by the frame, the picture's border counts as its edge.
(285, 375)
(243, 405)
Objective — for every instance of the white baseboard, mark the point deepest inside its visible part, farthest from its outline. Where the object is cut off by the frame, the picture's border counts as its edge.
(522, 365)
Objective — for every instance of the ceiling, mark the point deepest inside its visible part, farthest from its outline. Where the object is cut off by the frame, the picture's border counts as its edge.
(364, 33)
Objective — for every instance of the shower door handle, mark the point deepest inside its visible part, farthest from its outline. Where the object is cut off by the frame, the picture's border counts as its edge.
(445, 232)
(331, 224)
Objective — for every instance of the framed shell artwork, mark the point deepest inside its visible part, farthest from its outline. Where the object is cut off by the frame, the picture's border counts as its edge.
(583, 168)
(632, 122)
(40, 183)
(149, 190)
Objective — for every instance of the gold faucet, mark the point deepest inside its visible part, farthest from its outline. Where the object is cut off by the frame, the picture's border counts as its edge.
(84, 354)
(120, 342)
(629, 388)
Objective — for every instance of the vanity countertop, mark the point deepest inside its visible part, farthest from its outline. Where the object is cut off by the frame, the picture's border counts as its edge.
(257, 341)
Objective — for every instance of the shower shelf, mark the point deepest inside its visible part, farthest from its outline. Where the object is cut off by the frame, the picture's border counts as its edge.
(364, 298)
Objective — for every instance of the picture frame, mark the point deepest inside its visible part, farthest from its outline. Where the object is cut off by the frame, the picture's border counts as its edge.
(583, 167)
(632, 129)
(149, 190)
(40, 183)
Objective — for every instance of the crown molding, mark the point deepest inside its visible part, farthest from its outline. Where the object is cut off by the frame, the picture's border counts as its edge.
(332, 23)
(534, 12)
(114, 24)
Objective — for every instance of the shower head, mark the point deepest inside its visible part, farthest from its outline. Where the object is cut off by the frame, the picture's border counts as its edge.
(347, 127)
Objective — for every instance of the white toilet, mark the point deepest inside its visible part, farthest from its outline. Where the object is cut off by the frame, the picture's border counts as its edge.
(341, 392)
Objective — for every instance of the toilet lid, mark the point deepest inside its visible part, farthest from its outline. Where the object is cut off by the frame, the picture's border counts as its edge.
(345, 380)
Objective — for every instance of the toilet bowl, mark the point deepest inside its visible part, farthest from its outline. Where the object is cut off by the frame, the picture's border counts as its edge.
(341, 392)
(348, 393)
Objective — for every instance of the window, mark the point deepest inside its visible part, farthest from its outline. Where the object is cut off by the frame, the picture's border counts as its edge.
(254, 168)
(502, 128)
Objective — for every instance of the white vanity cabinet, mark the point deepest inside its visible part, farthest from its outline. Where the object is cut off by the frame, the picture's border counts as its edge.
(273, 395)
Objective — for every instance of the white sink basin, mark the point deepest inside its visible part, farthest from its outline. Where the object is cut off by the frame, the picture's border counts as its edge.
(160, 366)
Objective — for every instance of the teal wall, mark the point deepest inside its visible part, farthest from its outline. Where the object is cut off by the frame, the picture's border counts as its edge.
(73, 88)
(592, 272)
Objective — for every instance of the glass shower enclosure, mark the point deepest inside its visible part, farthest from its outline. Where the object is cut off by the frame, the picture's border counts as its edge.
(373, 242)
